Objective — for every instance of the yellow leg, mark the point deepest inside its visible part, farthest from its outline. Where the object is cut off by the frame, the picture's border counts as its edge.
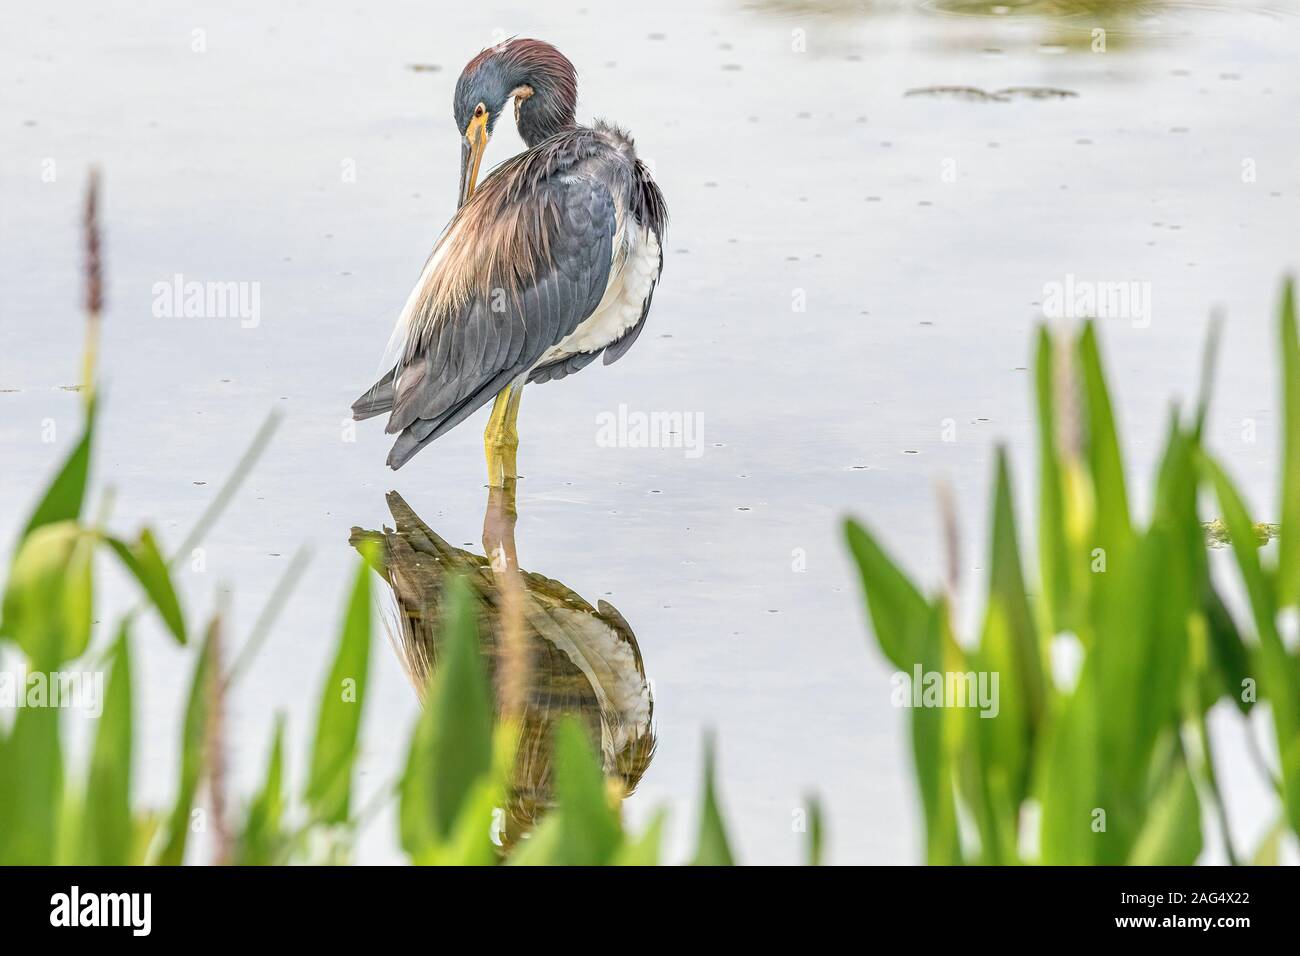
(510, 468)
(501, 437)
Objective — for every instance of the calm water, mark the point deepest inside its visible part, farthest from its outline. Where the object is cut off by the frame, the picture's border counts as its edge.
(916, 232)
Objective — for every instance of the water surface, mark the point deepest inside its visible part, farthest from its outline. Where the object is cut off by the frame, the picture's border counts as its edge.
(851, 278)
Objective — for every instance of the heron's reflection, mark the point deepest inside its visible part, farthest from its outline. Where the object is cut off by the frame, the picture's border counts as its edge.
(578, 660)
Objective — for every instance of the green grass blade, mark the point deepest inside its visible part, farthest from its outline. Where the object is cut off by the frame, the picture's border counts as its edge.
(643, 850)
(932, 728)
(712, 846)
(1172, 834)
(1053, 548)
(147, 565)
(338, 724)
(1288, 570)
(1209, 357)
(1023, 674)
(816, 832)
(231, 485)
(270, 612)
(262, 837)
(1269, 851)
(109, 828)
(193, 751)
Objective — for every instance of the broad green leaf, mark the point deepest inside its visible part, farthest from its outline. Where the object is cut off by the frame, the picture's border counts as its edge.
(1172, 833)
(586, 831)
(470, 841)
(712, 846)
(1228, 653)
(1104, 457)
(1071, 808)
(64, 496)
(1140, 650)
(1288, 571)
(146, 563)
(334, 749)
(193, 751)
(1227, 662)
(451, 749)
(109, 827)
(31, 788)
(898, 611)
(49, 598)
(1279, 676)
(262, 838)
(590, 825)
(1010, 649)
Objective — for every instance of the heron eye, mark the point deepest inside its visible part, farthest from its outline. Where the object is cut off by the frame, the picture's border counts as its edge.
(478, 110)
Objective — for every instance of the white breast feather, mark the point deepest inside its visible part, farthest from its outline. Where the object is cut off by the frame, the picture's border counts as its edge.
(630, 279)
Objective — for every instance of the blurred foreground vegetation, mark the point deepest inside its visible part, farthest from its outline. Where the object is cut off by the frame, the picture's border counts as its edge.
(1108, 761)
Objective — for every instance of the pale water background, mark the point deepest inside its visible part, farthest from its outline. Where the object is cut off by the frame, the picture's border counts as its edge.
(786, 173)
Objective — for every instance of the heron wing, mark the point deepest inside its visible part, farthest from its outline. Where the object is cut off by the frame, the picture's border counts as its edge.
(463, 358)
(649, 211)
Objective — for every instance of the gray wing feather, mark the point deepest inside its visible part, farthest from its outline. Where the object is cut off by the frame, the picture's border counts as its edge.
(552, 371)
(468, 359)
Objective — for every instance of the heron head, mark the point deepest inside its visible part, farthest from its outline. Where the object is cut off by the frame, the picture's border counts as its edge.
(535, 75)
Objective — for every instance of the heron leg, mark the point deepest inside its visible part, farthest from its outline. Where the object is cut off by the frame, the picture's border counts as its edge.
(510, 444)
(501, 438)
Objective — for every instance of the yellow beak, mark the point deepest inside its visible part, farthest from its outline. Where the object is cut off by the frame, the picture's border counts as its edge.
(471, 155)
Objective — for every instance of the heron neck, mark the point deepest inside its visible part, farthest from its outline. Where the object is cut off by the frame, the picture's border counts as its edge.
(537, 123)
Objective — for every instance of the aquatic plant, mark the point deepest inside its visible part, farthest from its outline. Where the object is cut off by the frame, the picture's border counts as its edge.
(1109, 761)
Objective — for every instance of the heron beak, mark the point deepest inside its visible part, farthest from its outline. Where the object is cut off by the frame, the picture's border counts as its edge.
(471, 155)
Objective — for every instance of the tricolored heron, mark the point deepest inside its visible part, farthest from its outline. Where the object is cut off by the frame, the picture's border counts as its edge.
(551, 262)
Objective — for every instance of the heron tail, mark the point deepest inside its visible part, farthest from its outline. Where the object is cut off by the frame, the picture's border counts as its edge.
(377, 400)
